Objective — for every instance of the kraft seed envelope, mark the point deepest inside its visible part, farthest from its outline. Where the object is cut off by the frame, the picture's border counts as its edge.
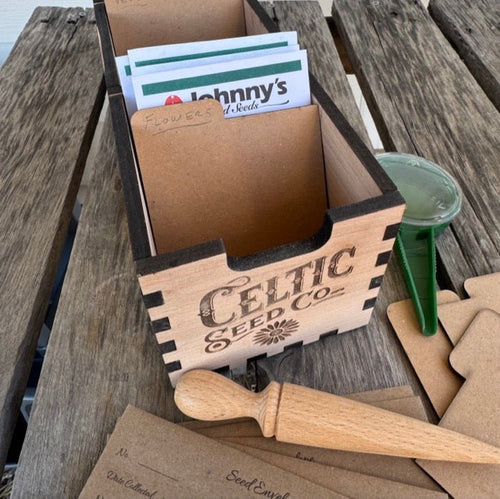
(150, 457)
(246, 86)
(149, 60)
(397, 399)
(350, 483)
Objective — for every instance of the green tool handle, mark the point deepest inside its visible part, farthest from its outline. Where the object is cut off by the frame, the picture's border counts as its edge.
(417, 253)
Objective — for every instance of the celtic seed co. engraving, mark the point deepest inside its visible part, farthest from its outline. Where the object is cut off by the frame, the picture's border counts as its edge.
(240, 308)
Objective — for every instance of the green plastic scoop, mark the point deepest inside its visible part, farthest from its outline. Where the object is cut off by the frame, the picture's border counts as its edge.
(433, 198)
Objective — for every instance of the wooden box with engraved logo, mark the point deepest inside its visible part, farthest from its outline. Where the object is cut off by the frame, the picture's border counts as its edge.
(277, 227)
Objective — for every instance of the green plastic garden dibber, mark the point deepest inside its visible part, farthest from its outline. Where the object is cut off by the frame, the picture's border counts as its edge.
(433, 198)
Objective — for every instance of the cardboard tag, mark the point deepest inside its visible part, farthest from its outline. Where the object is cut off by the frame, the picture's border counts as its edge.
(475, 411)
(243, 87)
(484, 292)
(150, 457)
(149, 60)
(428, 354)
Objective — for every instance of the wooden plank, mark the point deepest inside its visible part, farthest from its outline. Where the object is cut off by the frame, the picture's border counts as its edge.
(50, 105)
(425, 101)
(368, 358)
(307, 19)
(472, 29)
(101, 355)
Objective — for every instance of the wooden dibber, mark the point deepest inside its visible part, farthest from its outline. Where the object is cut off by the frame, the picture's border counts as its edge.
(301, 415)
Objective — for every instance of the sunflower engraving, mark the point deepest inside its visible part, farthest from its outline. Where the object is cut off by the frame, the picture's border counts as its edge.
(277, 331)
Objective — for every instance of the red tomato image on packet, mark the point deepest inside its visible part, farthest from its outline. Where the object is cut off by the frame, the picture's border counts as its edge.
(172, 99)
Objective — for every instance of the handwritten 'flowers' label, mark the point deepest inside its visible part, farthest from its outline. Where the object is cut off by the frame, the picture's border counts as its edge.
(248, 86)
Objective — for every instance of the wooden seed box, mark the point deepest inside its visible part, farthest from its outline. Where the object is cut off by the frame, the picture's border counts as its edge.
(264, 251)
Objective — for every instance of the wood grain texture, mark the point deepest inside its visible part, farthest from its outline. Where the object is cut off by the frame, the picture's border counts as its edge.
(300, 415)
(51, 92)
(101, 355)
(472, 29)
(210, 396)
(270, 307)
(15, 15)
(426, 102)
(308, 20)
(318, 419)
(367, 358)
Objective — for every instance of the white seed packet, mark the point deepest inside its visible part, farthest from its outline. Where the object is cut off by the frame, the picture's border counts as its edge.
(245, 86)
(123, 67)
(149, 60)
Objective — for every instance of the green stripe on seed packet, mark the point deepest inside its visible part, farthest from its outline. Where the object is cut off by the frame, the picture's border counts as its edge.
(216, 78)
(203, 55)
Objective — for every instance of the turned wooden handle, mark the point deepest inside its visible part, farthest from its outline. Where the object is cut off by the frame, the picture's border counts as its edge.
(212, 397)
(300, 415)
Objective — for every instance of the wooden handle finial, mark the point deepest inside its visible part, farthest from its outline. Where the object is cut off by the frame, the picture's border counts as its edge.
(209, 396)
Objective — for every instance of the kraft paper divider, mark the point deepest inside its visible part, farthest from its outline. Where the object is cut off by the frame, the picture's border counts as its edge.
(160, 22)
(254, 181)
(484, 293)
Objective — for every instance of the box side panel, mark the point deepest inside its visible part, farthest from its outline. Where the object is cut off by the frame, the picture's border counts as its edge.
(225, 317)
(107, 51)
(257, 22)
(352, 172)
(138, 219)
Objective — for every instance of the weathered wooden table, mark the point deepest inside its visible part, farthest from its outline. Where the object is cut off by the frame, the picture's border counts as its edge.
(425, 100)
